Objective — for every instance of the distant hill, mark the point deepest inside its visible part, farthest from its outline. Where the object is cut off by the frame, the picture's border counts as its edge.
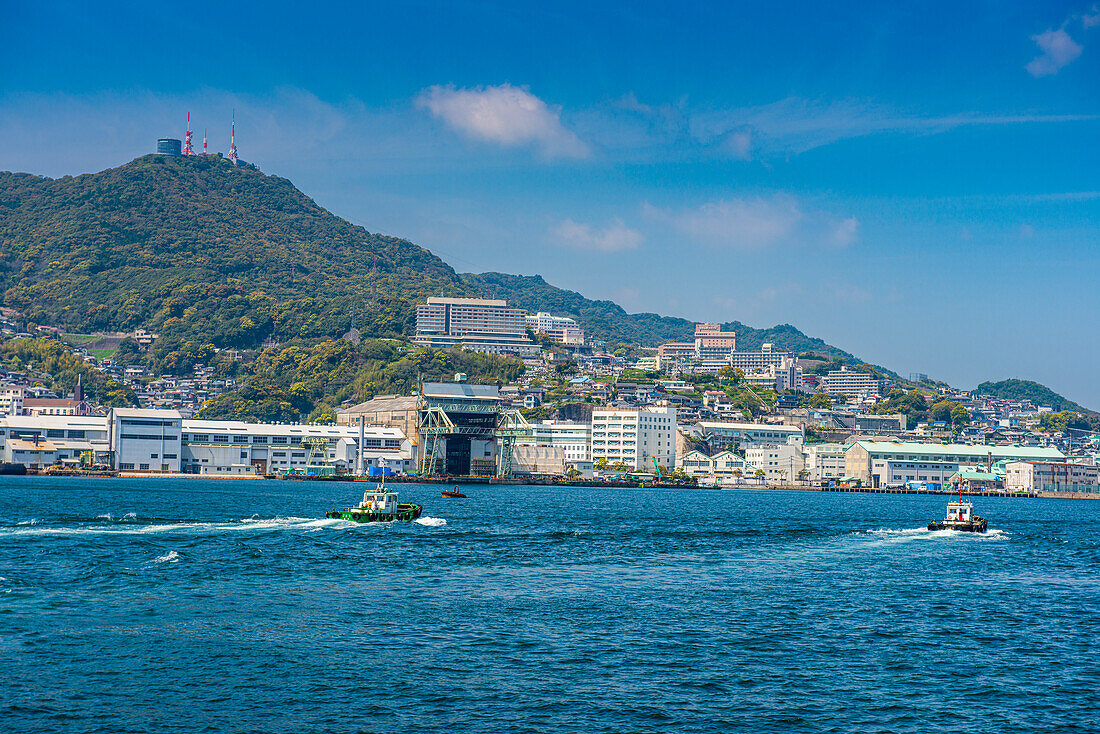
(608, 320)
(1014, 389)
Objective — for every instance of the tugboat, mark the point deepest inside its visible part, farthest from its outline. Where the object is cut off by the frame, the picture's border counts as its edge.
(961, 517)
(378, 505)
(453, 494)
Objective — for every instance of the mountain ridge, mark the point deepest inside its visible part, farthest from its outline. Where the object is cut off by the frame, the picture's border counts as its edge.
(204, 251)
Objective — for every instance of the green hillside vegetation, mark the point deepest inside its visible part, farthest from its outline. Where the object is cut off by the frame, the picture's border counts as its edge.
(198, 249)
(1015, 389)
(287, 382)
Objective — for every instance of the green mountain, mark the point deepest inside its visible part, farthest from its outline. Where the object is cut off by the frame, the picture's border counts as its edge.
(1014, 389)
(608, 320)
(203, 249)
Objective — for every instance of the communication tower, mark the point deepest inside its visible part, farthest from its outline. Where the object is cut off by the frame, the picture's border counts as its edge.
(187, 149)
(233, 139)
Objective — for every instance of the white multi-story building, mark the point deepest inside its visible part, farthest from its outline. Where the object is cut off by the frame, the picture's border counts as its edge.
(574, 439)
(562, 328)
(850, 382)
(11, 399)
(476, 324)
(779, 462)
(756, 361)
(825, 461)
(635, 437)
(745, 434)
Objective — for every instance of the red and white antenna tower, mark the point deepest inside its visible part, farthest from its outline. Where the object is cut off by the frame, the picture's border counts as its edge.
(187, 149)
(233, 139)
(204, 141)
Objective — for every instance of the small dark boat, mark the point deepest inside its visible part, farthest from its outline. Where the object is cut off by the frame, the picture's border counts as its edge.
(961, 517)
(453, 494)
(12, 469)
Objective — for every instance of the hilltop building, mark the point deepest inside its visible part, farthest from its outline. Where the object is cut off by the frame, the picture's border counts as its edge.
(169, 146)
(710, 343)
(472, 323)
(561, 328)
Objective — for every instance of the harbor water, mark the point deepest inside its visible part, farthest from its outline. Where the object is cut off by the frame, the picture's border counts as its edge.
(194, 605)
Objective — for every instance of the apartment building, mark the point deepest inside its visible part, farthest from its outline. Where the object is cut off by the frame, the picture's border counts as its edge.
(825, 461)
(779, 462)
(635, 437)
(850, 382)
(480, 325)
(11, 399)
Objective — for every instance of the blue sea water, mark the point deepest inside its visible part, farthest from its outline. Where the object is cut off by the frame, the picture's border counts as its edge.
(226, 606)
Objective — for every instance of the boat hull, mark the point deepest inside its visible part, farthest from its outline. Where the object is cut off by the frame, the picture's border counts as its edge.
(454, 495)
(403, 513)
(977, 525)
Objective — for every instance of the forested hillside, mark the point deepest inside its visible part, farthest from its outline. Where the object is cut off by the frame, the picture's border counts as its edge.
(199, 248)
(1014, 389)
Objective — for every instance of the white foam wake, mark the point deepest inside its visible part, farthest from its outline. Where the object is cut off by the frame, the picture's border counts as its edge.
(431, 522)
(903, 535)
(169, 557)
(248, 524)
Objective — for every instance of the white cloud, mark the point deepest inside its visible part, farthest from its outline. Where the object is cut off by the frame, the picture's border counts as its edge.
(1058, 50)
(613, 238)
(757, 223)
(506, 115)
(1088, 21)
(739, 144)
(845, 232)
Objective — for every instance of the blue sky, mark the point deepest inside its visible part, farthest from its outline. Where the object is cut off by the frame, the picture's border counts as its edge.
(916, 184)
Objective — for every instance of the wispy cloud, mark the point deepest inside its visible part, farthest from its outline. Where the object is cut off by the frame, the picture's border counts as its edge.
(613, 238)
(796, 125)
(1058, 49)
(756, 223)
(506, 115)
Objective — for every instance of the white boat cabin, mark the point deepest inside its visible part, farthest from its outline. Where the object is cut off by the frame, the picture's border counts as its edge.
(959, 512)
(379, 500)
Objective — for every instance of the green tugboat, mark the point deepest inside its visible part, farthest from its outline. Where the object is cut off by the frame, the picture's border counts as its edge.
(378, 505)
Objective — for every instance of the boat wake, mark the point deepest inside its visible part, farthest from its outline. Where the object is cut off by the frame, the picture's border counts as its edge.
(906, 535)
(430, 522)
(128, 526)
